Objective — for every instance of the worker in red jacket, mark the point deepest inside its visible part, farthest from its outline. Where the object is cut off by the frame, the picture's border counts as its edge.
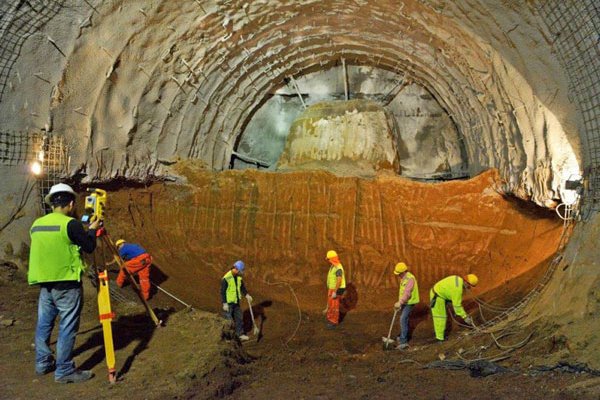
(137, 261)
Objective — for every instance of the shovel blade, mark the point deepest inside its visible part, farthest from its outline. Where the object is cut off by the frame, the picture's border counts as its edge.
(387, 340)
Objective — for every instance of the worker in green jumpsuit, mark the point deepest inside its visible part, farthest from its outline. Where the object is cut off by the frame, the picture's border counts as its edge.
(449, 290)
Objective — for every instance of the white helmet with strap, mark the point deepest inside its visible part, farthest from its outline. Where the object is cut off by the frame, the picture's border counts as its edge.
(58, 188)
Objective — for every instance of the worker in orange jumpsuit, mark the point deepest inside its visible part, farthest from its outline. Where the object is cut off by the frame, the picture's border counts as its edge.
(137, 261)
(336, 286)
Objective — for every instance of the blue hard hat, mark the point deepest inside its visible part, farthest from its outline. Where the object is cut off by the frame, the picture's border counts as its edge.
(239, 265)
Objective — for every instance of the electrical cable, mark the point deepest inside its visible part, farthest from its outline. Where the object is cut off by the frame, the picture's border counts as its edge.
(25, 194)
(297, 305)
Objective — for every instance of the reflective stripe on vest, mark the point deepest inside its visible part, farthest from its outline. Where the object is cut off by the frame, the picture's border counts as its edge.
(414, 296)
(233, 293)
(53, 257)
(332, 278)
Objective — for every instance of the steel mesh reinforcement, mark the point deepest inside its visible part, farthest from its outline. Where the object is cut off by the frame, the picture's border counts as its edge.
(18, 20)
(575, 30)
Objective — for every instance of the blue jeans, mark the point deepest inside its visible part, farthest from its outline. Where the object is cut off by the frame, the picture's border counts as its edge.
(63, 299)
(235, 313)
(404, 314)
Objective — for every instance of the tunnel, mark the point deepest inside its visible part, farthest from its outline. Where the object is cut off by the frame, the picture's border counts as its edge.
(459, 137)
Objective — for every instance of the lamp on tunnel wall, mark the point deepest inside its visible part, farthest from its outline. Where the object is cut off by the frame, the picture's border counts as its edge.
(36, 166)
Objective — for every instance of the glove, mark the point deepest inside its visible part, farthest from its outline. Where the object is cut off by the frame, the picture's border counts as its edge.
(469, 320)
(325, 311)
(249, 298)
(225, 307)
(334, 295)
(397, 305)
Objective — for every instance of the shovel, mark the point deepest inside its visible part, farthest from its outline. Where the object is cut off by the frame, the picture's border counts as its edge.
(255, 329)
(387, 340)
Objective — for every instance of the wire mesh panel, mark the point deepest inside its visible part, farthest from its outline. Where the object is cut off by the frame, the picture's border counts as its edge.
(18, 20)
(16, 148)
(50, 152)
(575, 26)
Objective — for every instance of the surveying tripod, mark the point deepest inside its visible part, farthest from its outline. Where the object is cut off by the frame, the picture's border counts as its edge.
(104, 309)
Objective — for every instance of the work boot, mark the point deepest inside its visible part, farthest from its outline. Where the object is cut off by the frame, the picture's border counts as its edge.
(402, 346)
(46, 369)
(244, 338)
(76, 377)
(331, 326)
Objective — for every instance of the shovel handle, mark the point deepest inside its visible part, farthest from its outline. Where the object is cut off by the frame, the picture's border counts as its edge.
(392, 324)
(252, 315)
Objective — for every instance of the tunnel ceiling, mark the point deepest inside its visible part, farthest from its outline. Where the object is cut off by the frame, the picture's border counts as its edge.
(137, 86)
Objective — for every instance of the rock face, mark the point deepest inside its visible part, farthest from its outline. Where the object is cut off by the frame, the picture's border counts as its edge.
(282, 224)
(356, 132)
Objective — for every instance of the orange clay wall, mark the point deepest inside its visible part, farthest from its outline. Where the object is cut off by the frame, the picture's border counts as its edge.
(282, 224)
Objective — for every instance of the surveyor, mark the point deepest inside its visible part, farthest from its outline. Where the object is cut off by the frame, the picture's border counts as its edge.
(55, 265)
(408, 297)
(336, 286)
(232, 290)
(449, 290)
(137, 261)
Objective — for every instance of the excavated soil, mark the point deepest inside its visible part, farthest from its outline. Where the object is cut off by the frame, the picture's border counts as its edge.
(192, 351)
(282, 224)
(192, 358)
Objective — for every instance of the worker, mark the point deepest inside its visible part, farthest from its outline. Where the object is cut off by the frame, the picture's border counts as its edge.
(55, 265)
(232, 290)
(408, 297)
(137, 261)
(449, 290)
(336, 286)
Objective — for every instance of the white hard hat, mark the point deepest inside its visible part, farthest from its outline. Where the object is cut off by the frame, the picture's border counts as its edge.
(59, 188)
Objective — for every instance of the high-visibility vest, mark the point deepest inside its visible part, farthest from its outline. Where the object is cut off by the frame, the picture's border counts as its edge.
(53, 257)
(414, 296)
(233, 293)
(451, 289)
(332, 278)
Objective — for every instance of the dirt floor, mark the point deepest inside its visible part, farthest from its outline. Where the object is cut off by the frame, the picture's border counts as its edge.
(194, 357)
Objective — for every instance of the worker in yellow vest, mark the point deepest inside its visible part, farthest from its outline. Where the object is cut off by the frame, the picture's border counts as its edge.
(232, 290)
(55, 266)
(336, 286)
(449, 290)
(408, 297)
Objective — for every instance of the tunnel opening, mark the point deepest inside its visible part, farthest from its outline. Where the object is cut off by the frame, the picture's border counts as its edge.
(427, 140)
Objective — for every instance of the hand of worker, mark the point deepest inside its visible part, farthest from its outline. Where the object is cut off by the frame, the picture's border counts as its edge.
(96, 224)
(225, 307)
(325, 311)
(469, 320)
(334, 295)
(397, 305)
(249, 298)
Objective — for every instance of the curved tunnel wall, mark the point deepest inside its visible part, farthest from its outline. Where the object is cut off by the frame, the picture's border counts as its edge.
(179, 79)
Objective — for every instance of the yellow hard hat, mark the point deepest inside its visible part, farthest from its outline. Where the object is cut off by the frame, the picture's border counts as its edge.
(400, 268)
(472, 279)
(119, 242)
(331, 254)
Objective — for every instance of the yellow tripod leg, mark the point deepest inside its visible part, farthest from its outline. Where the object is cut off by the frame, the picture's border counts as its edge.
(106, 317)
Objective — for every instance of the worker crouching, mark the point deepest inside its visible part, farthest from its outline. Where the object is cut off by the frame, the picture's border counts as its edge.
(232, 290)
(449, 290)
(336, 286)
(137, 262)
(408, 297)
